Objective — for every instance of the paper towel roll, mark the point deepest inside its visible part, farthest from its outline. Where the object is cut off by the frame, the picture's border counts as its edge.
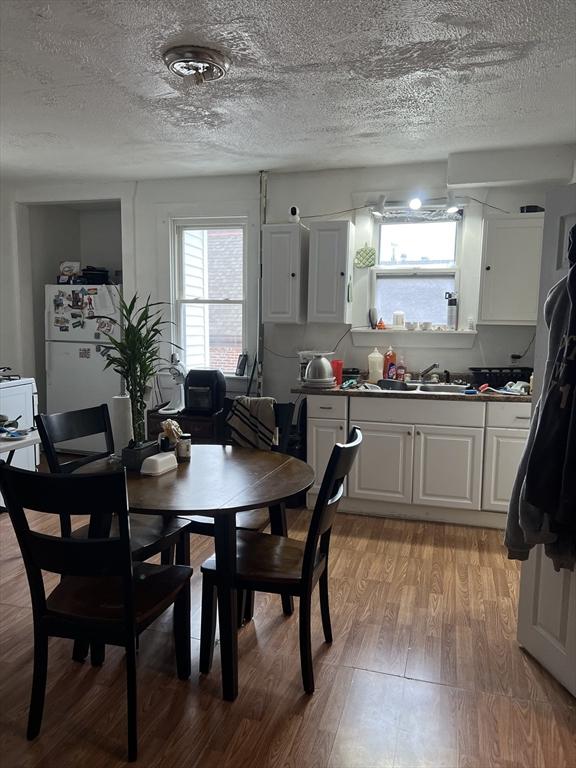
(121, 419)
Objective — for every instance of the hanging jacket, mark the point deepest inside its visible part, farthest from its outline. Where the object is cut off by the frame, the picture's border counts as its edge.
(543, 503)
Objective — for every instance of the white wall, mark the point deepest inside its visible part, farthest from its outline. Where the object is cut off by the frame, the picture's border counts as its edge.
(54, 237)
(149, 206)
(101, 239)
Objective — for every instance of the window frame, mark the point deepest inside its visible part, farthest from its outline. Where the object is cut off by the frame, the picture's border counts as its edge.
(391, 270)
(179, 302)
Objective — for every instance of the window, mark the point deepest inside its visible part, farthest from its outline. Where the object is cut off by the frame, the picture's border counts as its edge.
(417, 267)
(209, 302)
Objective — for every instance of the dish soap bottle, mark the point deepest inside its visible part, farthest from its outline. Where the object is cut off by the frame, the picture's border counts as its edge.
(401, 369)
(390, 364)
(375, 366)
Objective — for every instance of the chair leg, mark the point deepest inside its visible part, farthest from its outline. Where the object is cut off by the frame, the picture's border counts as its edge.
(242, 595)
(248, 606)
(325, 606)
(279, 527)
(208, 625)
(131, 700)
(80, 650)
(182, 633)
(306, 643)
(38, 684)
(167, 556)
(97, 654)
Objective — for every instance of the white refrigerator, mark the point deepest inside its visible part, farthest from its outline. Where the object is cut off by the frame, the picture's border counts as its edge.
(76, 349)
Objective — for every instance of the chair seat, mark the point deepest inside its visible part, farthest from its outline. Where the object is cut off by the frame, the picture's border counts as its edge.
(100, 599)
(149, 534)
(251, 520)
(261, 557)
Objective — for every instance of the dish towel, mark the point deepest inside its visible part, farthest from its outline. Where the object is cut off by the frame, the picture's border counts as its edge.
(252, 422)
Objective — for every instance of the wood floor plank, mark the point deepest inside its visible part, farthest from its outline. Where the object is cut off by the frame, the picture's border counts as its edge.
(424, 670)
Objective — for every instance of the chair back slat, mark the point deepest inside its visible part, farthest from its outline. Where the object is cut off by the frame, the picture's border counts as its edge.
(81, 557)
(98, 495)
(331, 491)
(60, 427)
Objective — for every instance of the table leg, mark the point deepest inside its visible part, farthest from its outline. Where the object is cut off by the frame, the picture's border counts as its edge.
(225, 546)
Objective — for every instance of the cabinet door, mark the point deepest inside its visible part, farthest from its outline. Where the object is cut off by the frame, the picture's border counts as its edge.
(448, 466)
(383, 469)
(512, 249)
(284, 275)
(323, 434)
(329, 282)
(502, 453)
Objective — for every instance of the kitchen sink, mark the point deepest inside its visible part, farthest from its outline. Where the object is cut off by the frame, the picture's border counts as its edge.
(443, 388)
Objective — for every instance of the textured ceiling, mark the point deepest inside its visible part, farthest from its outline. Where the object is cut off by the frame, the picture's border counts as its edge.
(313, 83)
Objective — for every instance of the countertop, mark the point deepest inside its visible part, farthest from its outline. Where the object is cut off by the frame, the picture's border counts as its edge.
(394, 394)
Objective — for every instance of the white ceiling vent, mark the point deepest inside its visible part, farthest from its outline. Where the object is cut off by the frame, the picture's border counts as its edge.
(202, 64)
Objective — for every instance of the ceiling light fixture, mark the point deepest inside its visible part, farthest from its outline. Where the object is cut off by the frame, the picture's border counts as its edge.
(415, 204)
(202, 64)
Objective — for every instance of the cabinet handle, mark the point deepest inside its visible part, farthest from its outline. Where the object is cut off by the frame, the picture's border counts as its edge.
(488, 268)
(340, 428)
(326, 408)
(292, 274)
(523, 418)
(341, 274)
(418, 432)
(409, 434)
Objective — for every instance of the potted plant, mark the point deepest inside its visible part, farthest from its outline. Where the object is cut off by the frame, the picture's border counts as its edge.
(136, 357)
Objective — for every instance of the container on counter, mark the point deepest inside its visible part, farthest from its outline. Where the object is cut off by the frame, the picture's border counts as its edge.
(390, 363)
(398, 318)
(375, 366)
(337, 368)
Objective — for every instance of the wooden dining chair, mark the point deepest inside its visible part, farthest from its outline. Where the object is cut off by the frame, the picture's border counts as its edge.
(280, 565)
(150, 534)
(254, 519)
(103, 597)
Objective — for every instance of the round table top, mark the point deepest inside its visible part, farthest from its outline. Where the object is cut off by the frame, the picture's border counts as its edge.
(218, 479)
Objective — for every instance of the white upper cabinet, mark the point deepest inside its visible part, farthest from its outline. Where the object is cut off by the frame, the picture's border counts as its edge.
(330, 273)
(511, 253)
(284, 273)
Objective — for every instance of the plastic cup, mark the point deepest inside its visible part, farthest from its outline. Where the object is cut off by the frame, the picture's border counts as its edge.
(337, 366)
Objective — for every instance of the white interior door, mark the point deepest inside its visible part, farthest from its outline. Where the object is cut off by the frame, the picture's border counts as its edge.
(547, 604)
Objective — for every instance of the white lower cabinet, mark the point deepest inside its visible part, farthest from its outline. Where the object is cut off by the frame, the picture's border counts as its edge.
(322, 436)
(383, 469)
(448, 466)
(502, 453)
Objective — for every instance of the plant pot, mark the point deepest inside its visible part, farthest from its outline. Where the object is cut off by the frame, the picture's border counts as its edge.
(132, 458)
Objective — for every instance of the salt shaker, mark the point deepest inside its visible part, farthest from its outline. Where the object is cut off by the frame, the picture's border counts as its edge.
(184, 447)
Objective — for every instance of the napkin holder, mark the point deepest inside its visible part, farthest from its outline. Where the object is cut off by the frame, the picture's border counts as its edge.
(159, 464)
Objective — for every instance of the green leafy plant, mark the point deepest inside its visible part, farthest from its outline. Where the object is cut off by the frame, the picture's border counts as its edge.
(137, 354)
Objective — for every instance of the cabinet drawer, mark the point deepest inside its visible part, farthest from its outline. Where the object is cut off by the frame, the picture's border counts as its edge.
(515, 415)
(415, 411)
(327, 407)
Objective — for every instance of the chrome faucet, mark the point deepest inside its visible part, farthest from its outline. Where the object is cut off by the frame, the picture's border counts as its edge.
(426, 371)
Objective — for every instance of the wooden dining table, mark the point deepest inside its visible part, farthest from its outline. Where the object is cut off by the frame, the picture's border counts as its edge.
(218, 482)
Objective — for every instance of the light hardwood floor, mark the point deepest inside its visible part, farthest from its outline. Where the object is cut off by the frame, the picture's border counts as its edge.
(424, 671)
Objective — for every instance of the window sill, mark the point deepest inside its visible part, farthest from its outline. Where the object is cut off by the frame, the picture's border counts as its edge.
(364, 337)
